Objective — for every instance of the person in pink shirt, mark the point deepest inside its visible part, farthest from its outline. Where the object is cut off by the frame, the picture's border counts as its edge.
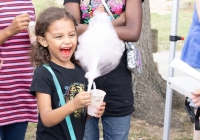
(17, 106)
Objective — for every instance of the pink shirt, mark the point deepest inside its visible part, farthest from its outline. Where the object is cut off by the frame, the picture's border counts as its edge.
(16, 103)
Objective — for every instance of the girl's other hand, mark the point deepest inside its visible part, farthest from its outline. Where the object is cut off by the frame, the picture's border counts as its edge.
(100, 110)
(81, 100)
(19, 23)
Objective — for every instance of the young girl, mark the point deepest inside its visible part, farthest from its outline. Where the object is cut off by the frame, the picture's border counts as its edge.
(57, 41)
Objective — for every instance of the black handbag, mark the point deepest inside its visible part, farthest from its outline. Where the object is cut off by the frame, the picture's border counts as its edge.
(190, 112)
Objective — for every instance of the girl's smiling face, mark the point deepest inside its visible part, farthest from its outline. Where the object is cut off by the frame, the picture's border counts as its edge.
(61, 40)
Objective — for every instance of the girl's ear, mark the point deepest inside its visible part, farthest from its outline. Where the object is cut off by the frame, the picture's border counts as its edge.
(42, 41)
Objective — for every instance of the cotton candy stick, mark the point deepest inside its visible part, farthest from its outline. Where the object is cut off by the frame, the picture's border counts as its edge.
(92, 73)
(94, 87)
(90, 81)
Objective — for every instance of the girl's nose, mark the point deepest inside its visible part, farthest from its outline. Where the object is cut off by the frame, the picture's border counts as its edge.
(67, 40)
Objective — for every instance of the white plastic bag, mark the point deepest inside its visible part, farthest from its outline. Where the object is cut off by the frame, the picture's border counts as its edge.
(99, 49)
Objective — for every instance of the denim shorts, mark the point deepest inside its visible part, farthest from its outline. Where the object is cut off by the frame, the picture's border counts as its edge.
(114, 128)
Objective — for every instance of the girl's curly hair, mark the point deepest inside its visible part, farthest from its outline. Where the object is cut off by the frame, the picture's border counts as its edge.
(40, 55)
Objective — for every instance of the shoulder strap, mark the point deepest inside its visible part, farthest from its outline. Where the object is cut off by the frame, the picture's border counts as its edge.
(107, 9)
(62, 101)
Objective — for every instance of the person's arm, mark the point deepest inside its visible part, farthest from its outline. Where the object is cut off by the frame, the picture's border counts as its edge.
(133, 15)
(74, 9)
(198, 8)
(18, 24)
(51, 117)
(133, 20)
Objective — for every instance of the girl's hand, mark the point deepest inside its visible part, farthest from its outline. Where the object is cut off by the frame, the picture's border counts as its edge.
(100, 110)
(81, 100)
(19, 23)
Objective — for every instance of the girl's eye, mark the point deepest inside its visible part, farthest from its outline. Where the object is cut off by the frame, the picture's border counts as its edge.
(59, 36)
(72, 35)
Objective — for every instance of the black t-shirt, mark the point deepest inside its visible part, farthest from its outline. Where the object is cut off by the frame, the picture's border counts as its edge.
(118, 83)
(72, 81)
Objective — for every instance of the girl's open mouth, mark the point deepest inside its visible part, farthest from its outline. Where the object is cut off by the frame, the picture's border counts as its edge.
(65, 51)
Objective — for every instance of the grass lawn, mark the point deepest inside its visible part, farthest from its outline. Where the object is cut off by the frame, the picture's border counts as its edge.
(31, 131)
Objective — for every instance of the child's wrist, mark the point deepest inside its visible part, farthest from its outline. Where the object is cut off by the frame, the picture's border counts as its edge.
(72, 105)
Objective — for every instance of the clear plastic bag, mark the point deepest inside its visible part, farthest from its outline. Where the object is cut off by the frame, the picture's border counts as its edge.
(134, 60)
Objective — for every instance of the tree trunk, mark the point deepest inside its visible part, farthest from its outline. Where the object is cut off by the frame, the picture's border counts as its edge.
(149, 88)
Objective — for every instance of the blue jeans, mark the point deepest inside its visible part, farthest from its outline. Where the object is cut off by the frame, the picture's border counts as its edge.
(114, 128)
(14, 131)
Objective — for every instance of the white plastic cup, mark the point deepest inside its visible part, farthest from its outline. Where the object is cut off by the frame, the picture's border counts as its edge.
(31, 31)
(96, 101)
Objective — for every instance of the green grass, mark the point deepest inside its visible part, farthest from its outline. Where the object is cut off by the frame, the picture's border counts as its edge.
(42, 4)
(31, 131)
(163, 23)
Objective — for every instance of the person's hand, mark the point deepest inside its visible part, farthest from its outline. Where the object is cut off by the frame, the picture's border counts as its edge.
(120, 21)
(122, 18)
(19, 23)
(196, 97)
(100, 110)
(81, 100)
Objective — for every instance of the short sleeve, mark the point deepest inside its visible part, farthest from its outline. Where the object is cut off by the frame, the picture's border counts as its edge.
(42, 81)
(75, 1)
